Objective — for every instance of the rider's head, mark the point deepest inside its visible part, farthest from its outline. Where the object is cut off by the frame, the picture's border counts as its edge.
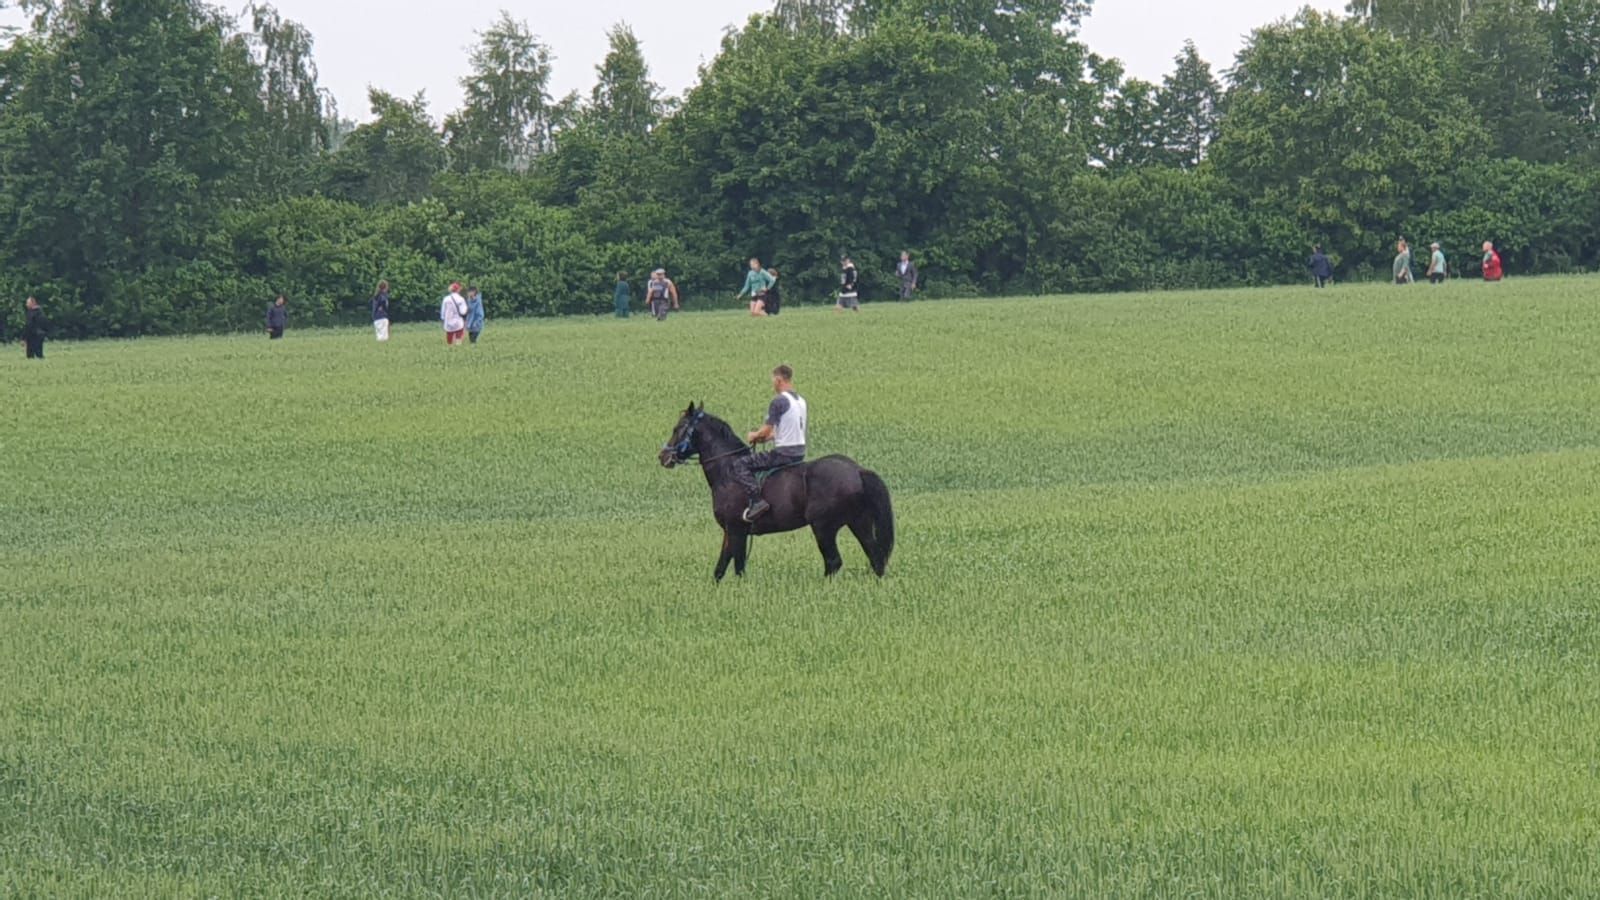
(782, 378)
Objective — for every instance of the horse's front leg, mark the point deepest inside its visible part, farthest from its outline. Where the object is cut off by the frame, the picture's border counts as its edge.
(741, 551)
(727, 555)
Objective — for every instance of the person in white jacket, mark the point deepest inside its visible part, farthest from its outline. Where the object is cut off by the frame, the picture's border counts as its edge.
(453, 313)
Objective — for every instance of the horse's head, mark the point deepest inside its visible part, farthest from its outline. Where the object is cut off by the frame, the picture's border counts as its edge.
(680, 447)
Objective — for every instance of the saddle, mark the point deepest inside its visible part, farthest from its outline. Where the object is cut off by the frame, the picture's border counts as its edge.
(761, 477)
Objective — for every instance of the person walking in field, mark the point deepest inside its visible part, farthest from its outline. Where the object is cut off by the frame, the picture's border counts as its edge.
(907, 272)
(1402, 263)
(785, 426)
(774, 299)
(33, 328)
(756, 282)
(1493, 270)
(622, 297)
(661, 294)
(277, 318)
(849, 287)
(1437, 267)
(380, 312)
(1321, 267)
(474, 313)
(453, 315)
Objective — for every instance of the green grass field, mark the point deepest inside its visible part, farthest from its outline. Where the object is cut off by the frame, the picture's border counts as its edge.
(1269, 593)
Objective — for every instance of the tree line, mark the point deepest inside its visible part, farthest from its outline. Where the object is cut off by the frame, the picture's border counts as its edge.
(168, 167)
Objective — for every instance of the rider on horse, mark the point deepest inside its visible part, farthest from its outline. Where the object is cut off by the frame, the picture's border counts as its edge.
(786, 428)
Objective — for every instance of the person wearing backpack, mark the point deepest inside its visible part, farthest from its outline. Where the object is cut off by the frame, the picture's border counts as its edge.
(453, 314)
(661, 294)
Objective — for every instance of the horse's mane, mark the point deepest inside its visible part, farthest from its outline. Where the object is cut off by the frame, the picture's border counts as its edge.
(720, 431)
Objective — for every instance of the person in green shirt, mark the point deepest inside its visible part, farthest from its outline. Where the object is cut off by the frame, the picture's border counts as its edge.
(1436, 266)
(623, 295)
(756, 284)
(1402, 263)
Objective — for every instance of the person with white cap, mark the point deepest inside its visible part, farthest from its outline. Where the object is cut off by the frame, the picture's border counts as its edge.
(1436, 266)
(661, 294)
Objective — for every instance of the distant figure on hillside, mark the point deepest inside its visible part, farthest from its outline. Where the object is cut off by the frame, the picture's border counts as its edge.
(622, 297)
(1402, 263)
(661, 294)
(849, 287)
(1492, 268)
(907, 272)
(380, 311)
(474, 313)
(453, 315)
(774, 299)
(277, 318)
(1437, 268)
(756, 282)
(1321, 267)
(33, 326)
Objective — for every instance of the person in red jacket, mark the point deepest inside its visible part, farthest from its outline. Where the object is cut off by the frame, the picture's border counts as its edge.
(1492, 270)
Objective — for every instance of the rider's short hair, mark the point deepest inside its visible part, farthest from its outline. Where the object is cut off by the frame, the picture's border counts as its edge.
(784, 372)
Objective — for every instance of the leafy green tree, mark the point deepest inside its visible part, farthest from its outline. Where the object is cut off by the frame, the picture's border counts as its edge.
(391, 159)
(295, 112)
(1128, 128)
(625, 103)
(1340, 126)
(1574, 85)
(509, 116)
(125, 128)
(1189, 108)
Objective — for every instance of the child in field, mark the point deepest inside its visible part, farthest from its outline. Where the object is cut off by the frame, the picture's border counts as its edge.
(380, 311)
(474, 313)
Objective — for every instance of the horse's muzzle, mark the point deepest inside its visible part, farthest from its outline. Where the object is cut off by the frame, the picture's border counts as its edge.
(669, 458)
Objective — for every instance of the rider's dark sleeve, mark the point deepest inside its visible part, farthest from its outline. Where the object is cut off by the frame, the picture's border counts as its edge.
(779, 406)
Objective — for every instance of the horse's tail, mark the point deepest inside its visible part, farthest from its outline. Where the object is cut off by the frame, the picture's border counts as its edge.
(877, 494)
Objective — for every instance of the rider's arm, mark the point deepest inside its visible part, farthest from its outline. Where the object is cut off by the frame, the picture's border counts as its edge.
(762, 435)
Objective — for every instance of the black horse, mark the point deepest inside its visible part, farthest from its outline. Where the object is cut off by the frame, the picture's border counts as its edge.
(828, 494)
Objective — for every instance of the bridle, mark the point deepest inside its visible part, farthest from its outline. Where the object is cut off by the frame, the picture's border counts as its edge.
(683, 450)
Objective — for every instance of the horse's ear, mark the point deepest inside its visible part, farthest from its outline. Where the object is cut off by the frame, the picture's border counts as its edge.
(702, 406)
(690, 410)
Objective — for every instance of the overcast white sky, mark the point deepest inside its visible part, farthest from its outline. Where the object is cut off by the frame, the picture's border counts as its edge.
(405, 46)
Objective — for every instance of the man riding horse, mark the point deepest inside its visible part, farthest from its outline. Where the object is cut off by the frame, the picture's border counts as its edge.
(785, 427)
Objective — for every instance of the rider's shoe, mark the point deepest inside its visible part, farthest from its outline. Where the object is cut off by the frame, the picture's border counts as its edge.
(756, 510)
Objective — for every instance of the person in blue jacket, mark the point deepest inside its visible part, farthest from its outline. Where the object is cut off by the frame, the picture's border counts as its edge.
(474, 313)
(1321, 267)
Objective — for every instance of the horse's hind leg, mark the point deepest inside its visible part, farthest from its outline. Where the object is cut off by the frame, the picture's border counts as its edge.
(828, 543)
(861, 527)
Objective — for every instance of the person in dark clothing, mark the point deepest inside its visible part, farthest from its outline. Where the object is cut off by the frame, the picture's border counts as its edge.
(33, 329)
(1321, 267)
(849, 288)
(773, 300)
(907, 272)
(623, 296)
(380, 311)
(277, 318)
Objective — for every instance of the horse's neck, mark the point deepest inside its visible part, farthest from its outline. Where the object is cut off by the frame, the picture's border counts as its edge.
(717, 459)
